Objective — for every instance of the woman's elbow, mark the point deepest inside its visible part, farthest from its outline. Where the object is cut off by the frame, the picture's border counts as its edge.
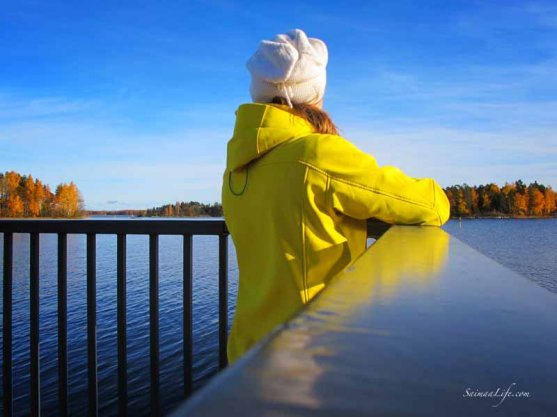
(441, 206)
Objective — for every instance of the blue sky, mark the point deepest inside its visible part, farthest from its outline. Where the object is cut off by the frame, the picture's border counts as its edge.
(134, 101)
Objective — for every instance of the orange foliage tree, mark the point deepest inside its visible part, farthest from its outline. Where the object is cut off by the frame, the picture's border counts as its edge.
(514, 199)
(536, 200)
(21, 196)
(550, 199)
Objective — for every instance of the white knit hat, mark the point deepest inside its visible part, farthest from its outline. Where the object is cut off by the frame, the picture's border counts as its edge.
(290, 66)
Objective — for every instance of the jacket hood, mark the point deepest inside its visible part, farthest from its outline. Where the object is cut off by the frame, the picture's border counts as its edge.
(260, 128)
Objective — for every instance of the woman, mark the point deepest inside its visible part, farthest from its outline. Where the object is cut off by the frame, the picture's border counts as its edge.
(296, 195)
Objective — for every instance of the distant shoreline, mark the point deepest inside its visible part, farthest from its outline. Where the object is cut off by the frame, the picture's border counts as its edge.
(84, 217)
(501, 217)
(495, 217)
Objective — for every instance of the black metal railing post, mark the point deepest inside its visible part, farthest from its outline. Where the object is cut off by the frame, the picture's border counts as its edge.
(7, 333)
(35, 368)
(92, 324)
(187, 315)
(154, 322)
(63, 410)
(223, 299)
(122, 326)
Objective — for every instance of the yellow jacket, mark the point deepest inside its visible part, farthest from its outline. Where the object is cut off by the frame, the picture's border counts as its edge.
(296, 203)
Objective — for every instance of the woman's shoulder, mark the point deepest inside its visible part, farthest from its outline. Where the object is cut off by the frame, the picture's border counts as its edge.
(319, 149)
(321, 142)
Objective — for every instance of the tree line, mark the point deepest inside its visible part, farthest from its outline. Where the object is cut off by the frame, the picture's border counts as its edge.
(183, 209)
(179, 209)
(23, 196)
(513, 199)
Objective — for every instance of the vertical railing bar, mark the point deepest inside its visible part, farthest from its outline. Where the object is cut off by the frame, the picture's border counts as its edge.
(62, 325)
(154, 322)
(122, 328)
(34, 316)
(92, 325)
(223, 299)
(187, 316)
(7, 381)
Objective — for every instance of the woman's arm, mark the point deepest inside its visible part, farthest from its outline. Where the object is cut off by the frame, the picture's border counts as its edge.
(359, 188)
(391, 196)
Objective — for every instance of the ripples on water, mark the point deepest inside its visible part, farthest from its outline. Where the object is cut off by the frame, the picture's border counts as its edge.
(527, 246)
(205, 320)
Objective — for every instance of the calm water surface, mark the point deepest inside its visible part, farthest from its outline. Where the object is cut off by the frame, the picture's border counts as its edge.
(527, 246)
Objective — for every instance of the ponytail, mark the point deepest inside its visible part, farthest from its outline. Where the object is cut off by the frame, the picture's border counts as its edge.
(318, 118)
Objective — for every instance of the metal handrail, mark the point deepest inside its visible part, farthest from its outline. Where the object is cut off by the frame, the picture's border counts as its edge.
(419, 325)
(114, 227)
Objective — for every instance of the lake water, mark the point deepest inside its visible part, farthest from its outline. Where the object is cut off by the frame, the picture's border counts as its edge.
(205, 319)
(527, 246)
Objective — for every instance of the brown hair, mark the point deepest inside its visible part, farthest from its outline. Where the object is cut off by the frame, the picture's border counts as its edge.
(318, 118)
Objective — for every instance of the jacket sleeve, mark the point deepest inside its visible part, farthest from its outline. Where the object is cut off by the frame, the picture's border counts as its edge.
(359, 188)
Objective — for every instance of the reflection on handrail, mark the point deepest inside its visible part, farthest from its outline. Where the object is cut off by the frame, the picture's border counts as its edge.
(419, 320)
(403, 259)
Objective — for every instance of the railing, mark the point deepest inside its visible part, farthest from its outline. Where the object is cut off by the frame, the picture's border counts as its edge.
(92, 228)
(120, 228)
(420, 325)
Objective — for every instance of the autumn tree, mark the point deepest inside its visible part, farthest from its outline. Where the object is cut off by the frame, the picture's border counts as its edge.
(508, 191)
(67, 200)
(520, 204)
(14, 203)
(450, 196)
(22, 196)
(536, 201)
(494, 194)
(39, 197)
(461, 203)
(517, 199)
(15, 206)
(12, 181)
(48, 202)
(550, 199)
(3, 194)
(31, 208)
